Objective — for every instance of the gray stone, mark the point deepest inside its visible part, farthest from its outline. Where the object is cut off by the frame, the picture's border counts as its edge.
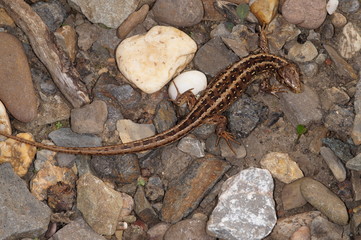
(191, 145)
(77, 229)
(143, 209)
(333, 96)
(21, 214)
(356, 184)
(51, 12)
(246, 209)
(292, 196)
(66, 138)
(89, 118)
(109, 13)
(87, 34)
(354, 163)
(322, 229)
(165, 116)
(334, 164)
(184, 13)
(349, 6)
(154, 189)
(17, 89)
(341, 149)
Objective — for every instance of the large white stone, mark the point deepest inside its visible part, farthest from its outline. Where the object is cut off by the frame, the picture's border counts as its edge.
(350, 41)
(150, 61)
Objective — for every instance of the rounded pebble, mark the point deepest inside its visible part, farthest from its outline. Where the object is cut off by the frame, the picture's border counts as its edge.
(194, 80)
(5, 125)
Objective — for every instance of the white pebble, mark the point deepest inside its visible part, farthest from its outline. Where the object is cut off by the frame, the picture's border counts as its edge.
(332, 6)
(195, 80)
(4, 121)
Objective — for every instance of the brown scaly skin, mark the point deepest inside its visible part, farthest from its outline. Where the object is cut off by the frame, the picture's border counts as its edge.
(225, 89)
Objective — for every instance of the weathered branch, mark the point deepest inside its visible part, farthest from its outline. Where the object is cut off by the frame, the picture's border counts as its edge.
(64, 75)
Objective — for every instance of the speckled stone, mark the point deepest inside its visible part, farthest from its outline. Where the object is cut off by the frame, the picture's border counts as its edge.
(17, 90)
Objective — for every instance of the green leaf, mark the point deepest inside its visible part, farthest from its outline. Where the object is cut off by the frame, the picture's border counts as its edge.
(141, 181)
(301, 129)
(58, 125)
(242, 11)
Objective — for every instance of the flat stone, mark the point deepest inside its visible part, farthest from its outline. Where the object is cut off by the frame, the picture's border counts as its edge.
(350, 41)
(99, 204)
(130, 131)
(187, 192)
(66, 38)
(302, 52)
(144, 209)
(303, 233)
(354, 163)
(161, 53)
(109, 13)
(334, 164)
(245, 209)
(321, 228)
(356, 185)
(191, 145)
(188, 229)
(66, 138)
(292, 196)
(324, 200)
(17, 89)
(22, 215)
(132, 21)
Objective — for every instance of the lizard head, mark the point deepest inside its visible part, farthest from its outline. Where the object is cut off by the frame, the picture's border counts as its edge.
(289, 76)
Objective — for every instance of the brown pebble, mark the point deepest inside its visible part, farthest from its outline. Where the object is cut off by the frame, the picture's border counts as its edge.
(132, 21)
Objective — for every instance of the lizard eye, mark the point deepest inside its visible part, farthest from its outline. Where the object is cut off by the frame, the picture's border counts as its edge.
(290, 77)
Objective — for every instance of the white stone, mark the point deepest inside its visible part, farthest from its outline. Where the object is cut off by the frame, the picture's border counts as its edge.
(350, 41)
(5, 125)
(245, 209)
(331, 6)
(111, 13)
(195, 80)
(150, 61)
(303, 52)
(281, 167)
(130, 131)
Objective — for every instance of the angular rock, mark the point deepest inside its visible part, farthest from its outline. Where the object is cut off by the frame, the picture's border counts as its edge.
(342, 150)
(130, 131)
(245, 209)
(161, 53)
(157, 232)
(186, 193)
(334, 164)
(109, 13)
(132, 21)
(281, 167)
(17, 90)
(143, 208)
(354, 163)
(264, 10)
(66, 38)
(191, 145)
(51, 12)
(99, 204)
(324, 200)
(90, 118)
(302, 52)
(188, 229)
(22, 215)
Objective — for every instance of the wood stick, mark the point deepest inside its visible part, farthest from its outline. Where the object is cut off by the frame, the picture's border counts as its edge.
(64, 75)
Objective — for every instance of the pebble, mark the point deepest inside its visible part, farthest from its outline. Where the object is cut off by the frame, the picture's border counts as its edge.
(236, 151)
(292, 196)
(331, 6)
(19, 155)
(158, 231)
(22, 214)
(309, 69)
(99, 204)
(264, 10)
(154, 189)
(87, 35)
(5, 125)
(132, 21)
(48, 176)
(281, 167)
(334, 164)
(192, 146)
(303, 233)
(17, 90)
(213, 57)
(302, 52)
(321, 228)
(316, 143)
(350, 41)
(77, 229)
(109, 13)
(179, 14)
(130, 131)
(122, 168)
(194, 80)
(340, 120)
(165, 116)
(308, 14)
(66, 38)
(324, 200)
(65, 137)
(161, 54)
(188, 229)
(5, 19)
(302, 108)
(356, 184)
(89, 118)
(333, 96)
(341, 149)
(245, 209)
(51, 12)
(144, 209)
(354, 163)
(61, 197)
(349, 6)
(338, 20)
(356, 130)
(186, 193)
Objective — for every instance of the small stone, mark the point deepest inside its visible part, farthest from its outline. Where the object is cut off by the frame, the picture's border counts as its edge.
(66, 138)
(66, 38)
(191, 145)
(61, 197)
(356, 130)
(188, 229)
(99, 204)
(309, 14)
(281, 167)
(341, 149)
(303, 233)
(292, 196)
(89, 118)
(245, 209)
(130, 131)
(350, 41)
(340, 119)
(87, 34)
(48, 176)
(331, 6)
(302, 108)
(5, 125)
(213, 57)
(179, 14)
(190, 188)
(21, 213)
(220, 30)
(354, 163)
(161, 53)
(333, 96)
(309, 69)
(5, 19)
(321, 228)
(334, 164)
(51, 12)
(165, 116)
(349, 6)
(19, 155)
(132, 21)
(109, 13)
(236, 150)
(264, 10)
(15, 79)
(158, 231)
(302, 52)
(194, 80)
(324, 200)
(356, 184)
(338, 20)
(154, 189)
(316, 143)
(143, 209)
(127, 208)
